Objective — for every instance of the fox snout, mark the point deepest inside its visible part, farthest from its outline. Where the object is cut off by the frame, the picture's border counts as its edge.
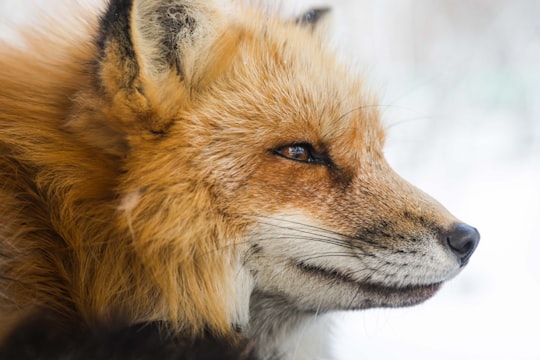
(368, 240)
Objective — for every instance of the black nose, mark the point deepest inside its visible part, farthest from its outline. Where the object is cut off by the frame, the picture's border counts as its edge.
(463, 240)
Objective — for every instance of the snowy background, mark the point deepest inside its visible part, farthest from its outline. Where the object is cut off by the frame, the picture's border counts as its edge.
(460, 88)
(459, 83)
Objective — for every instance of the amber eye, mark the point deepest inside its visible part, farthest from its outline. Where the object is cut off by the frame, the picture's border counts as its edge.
(296, 152)
(302, 153)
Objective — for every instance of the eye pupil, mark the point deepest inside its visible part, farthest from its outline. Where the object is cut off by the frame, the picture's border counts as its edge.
(298, 152)
(302, 153)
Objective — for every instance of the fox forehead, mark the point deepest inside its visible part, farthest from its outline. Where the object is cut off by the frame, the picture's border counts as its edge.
(285, 86)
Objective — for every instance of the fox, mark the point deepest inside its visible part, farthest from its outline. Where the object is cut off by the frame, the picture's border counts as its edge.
(179, 176)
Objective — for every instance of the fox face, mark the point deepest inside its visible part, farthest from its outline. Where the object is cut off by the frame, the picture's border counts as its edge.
(244, 184)
(320, 201)
(292, 146)
(289, 148)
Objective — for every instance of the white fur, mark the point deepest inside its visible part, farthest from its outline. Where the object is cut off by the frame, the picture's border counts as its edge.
(286, 300)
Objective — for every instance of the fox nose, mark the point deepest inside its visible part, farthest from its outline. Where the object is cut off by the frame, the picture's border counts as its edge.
(463, 240)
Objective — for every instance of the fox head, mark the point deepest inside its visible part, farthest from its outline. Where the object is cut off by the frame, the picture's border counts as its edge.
(253, 173)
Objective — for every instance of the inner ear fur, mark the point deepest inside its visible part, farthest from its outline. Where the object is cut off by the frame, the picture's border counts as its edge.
(171, 36)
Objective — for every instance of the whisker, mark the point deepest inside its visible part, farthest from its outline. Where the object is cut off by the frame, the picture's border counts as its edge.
(343, 238)
(353, 300)
(319, 230)
(328, 255)
(293, 237)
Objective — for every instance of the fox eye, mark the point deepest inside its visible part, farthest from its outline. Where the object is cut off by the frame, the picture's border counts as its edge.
(302, 153)
(296, 152)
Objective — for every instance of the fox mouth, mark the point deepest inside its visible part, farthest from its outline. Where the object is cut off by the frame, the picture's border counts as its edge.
(370, 295)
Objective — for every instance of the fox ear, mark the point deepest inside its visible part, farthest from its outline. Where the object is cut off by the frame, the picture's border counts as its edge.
(144, 42)
(313, 17)
(154, 54)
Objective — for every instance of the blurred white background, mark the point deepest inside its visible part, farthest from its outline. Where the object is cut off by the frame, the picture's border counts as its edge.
(459, 82)
(459, 87)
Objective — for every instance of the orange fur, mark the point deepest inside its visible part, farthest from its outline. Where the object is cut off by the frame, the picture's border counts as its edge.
(66, 241)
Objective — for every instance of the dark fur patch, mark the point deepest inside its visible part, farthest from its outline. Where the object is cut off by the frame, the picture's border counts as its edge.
(177, 22)
(115, 30)
(41, 338)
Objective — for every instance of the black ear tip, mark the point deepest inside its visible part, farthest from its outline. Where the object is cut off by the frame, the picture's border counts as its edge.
(312, 16)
